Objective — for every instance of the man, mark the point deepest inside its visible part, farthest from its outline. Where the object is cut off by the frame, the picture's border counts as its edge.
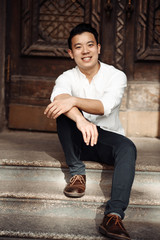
(86, 101)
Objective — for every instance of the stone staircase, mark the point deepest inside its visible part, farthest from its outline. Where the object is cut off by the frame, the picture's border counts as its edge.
(33, 174)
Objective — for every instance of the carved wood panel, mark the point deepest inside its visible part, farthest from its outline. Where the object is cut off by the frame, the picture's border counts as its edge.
(148, 30)
(46, 24)
(120, 22)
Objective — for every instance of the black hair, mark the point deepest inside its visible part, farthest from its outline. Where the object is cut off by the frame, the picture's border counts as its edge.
(81, 28)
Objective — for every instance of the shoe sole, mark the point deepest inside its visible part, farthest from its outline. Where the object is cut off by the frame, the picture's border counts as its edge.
(74, 195)
(103, 231)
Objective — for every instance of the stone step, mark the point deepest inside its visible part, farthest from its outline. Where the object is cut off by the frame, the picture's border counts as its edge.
(33, 174)
(35, 219)
(145, 161)
(48, 183)
(44, 150)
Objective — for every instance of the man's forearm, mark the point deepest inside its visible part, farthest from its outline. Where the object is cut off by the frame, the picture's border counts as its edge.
(74, 114)
(91, 106)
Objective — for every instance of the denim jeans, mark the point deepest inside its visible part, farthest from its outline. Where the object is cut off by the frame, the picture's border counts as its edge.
(112, 149)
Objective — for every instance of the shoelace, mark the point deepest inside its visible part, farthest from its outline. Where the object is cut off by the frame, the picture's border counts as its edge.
(117, 221)
(77, 177)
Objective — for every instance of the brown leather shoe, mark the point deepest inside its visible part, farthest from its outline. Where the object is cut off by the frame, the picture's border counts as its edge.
(76, 187)
(112, 227)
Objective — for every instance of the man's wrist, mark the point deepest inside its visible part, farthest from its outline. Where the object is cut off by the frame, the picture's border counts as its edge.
(79, 117)
(74, 99)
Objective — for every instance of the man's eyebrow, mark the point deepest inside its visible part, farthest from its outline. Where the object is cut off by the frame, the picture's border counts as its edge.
(90, 41)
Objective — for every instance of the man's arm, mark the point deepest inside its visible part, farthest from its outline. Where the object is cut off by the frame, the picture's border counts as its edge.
(66, 104)
(88, 129)
(91, 106)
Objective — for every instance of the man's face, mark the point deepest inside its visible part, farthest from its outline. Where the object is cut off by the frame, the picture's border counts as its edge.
(85, 51)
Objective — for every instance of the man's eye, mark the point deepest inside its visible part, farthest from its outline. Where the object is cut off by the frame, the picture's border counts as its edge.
(90, 45)
(78, 47)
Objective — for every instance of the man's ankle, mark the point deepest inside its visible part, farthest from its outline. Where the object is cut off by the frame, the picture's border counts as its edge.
(114, 213)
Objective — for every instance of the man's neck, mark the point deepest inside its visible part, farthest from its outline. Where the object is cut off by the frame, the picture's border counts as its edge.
(90, 73)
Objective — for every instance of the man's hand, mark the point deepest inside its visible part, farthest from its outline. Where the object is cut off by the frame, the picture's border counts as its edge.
(59, 106)
(88, 130)
(66, 104)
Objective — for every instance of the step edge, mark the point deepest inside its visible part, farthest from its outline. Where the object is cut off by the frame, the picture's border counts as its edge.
(88, 164)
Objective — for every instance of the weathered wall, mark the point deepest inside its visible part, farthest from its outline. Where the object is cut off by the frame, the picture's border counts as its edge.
(140, 114)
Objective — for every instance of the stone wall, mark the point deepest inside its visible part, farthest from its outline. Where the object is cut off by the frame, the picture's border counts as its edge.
(140, 107)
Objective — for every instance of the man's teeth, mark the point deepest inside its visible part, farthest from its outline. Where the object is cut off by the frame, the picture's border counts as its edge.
(87, 58)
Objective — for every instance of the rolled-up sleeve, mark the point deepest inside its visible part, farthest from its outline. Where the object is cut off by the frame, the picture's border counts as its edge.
(62, 86)
(113, 93)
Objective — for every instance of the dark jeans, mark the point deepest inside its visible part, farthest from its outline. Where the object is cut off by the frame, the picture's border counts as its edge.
(111, 148)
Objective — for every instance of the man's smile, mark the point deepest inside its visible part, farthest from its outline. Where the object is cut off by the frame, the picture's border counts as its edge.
(86, 59)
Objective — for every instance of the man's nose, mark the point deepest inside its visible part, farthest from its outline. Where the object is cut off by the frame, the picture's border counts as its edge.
(85, 50)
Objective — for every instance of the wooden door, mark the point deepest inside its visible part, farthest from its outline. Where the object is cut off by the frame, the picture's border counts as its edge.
(37, 50)
(37, 54)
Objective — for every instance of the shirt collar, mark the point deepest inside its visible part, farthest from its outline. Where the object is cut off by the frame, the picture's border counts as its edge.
(83, 76)
(80, 74)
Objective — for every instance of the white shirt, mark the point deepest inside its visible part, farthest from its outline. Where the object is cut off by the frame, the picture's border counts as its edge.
(107, 86)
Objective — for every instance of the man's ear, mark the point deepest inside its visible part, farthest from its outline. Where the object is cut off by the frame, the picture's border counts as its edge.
(99, 48)
(70, 53)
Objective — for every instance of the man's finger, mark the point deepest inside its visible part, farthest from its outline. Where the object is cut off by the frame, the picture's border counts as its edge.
(56, 113)
(50, 107)
(84, 136)
(94, 136)
(89, 136)
(47, 108)
(51, 112)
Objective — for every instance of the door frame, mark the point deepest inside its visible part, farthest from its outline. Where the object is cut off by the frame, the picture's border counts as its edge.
(2, 61)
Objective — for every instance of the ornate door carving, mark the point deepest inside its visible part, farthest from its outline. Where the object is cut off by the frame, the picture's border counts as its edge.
(148, 30)
(46, 24)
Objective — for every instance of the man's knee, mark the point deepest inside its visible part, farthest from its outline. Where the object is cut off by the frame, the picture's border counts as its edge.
(132, 149)
(127, 149)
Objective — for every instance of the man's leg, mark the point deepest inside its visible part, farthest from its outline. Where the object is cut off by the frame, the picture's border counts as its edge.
(123, 158)
(117, 150)
(71, 140)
